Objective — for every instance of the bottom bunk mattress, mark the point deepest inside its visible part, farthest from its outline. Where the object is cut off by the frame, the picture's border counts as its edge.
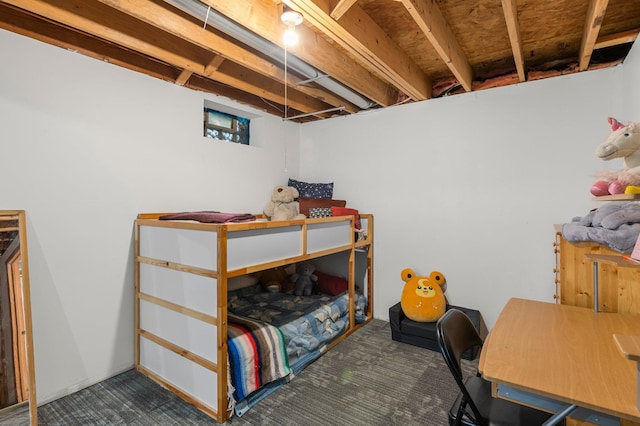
(306, 324)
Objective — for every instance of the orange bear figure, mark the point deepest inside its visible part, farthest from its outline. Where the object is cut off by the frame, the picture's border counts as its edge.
(423, 297)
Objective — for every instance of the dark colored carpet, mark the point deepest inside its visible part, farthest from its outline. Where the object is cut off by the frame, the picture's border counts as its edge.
(367, 379)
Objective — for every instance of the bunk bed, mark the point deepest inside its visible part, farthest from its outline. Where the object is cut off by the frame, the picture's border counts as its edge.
(190, 327)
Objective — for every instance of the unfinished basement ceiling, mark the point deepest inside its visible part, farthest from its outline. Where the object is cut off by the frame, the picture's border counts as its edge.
(352, 55)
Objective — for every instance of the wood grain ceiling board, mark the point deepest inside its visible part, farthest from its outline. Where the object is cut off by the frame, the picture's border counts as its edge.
(394, 19)
(622, 16)
(560, 35)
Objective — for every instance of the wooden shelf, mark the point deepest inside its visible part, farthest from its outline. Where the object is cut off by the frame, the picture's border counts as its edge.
(613, 260)
(618, 197)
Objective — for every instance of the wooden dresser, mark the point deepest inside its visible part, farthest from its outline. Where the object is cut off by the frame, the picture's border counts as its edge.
(618, 286)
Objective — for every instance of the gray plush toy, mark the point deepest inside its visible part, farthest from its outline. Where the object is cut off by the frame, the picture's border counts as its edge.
(304, 278)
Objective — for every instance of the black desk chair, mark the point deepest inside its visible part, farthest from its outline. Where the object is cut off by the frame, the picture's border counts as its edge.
(474, 405)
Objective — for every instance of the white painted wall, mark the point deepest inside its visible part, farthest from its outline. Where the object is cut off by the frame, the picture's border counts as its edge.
(85, 147)
(628, 93)
(472, 185)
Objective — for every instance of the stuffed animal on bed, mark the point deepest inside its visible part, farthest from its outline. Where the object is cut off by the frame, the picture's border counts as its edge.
(423, 297)
(276, 280)
(624, 142)
(283, 204)
(304, 278)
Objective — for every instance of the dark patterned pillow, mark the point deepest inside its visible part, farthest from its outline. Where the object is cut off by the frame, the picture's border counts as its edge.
(320, 212)
(312, 190)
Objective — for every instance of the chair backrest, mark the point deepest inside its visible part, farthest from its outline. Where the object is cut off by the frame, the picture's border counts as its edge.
(457, 334)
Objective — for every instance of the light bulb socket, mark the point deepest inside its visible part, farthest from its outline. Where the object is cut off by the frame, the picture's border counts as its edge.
(291, 17)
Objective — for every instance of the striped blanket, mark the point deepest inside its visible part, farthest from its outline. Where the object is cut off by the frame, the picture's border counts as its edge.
(257, 354)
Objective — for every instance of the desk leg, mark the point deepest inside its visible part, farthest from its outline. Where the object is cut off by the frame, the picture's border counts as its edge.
(595, 286)
(560, 415)
(554, 406)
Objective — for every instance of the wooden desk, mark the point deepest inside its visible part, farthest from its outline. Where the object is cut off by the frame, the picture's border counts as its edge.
(565, 354)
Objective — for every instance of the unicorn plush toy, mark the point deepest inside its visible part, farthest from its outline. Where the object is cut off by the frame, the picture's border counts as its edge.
(623, 143)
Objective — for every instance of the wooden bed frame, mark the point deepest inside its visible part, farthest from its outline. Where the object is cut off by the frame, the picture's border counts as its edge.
(181, 273)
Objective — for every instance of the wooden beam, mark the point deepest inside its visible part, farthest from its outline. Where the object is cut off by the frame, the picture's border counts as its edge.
(358, 34)
(242, 78)
(263, 18)
(510, 9)
(213, 66)
(108, 24)
(19, 22)
(183, 77)
(428, 16)
(341, 8)
(208, 85)
(616, 39)
(595, 15)
(175, 24)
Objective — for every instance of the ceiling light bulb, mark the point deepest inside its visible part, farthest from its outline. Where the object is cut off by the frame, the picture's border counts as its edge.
(290, 36)
(291, 19)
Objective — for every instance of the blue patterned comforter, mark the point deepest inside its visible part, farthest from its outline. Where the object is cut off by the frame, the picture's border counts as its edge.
(307, 322)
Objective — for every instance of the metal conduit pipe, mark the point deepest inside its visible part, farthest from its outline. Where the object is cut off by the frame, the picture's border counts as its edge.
(204, 13)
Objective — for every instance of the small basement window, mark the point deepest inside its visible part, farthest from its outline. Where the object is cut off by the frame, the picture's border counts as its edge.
(226, 127)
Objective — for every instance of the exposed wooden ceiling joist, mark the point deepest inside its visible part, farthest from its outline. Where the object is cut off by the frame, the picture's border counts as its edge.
(361, 54)
(183, 77)
(263, 18)
(49, 32)
(430, 20)
(510, 8)
(341, 8)
(616, 39)
(358, 34)
(166, 47)
(595, 16)
(185, 28)
(213, 66)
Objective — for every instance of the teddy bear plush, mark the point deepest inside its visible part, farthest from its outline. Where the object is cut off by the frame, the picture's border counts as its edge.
(423, 298)
(283, 204)
(304, 278)
(277, 280)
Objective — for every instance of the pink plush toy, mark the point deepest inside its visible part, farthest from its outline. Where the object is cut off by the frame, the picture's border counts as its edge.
(623, 143)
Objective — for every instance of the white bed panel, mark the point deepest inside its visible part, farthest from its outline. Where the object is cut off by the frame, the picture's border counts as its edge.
(256, 246)
(185, 246)
(364, 223)
(183, 288)
(182, 373)
(323, 236)
(187, 332)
